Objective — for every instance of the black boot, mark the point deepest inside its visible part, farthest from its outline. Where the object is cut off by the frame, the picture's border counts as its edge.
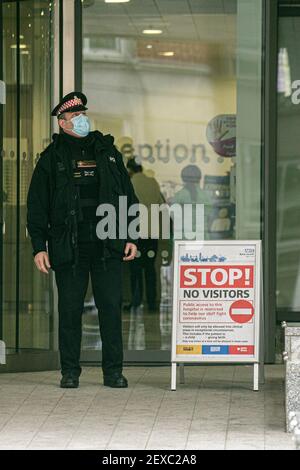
(116, 380)
(69, 381)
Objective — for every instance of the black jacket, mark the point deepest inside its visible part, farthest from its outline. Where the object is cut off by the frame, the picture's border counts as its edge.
(52, 205)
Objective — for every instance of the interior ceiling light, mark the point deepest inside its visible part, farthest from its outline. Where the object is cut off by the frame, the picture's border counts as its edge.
(166, 54)
(22, 46)
(116, 1)
(152, 31)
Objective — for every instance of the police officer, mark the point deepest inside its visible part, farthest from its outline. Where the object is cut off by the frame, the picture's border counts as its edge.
(79, 170)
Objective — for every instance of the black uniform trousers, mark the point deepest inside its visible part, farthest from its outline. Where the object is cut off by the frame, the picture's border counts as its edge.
(139, 266)
(107, 288)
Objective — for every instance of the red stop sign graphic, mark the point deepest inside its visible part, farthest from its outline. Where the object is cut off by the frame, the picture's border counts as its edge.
(241, 311)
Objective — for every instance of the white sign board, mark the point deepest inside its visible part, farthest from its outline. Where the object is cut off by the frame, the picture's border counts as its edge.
(216, 301)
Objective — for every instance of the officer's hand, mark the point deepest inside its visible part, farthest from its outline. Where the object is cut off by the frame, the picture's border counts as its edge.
(130, 251)
(41, 260)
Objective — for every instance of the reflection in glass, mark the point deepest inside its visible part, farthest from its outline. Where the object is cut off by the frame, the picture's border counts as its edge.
(9, 174)
(171, 102)
(288, 167)
(26, 118)
(35, 105)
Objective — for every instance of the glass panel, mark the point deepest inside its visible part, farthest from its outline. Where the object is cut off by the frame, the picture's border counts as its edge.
(25, 291)
(288, 166)
(184, 99)
(36, 59)
(9, 34)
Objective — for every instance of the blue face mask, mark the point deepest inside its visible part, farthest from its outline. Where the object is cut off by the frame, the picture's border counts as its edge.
(81, 125)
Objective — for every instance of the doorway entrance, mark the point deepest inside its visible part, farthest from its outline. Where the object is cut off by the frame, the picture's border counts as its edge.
(164, 78)
(27, 321)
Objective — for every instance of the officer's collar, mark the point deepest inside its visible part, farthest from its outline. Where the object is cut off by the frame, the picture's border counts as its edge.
(79, 141)
(104, 140)
(101, 141)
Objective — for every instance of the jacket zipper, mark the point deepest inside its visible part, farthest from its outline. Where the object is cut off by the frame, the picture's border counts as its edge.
(90, 222)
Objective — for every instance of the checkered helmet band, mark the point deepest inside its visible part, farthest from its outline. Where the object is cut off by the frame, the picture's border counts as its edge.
(69, 104)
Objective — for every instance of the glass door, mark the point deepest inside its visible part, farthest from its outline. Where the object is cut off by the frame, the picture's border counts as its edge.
(288, 164)
(178, 84)
(27, 58)
(2, 101)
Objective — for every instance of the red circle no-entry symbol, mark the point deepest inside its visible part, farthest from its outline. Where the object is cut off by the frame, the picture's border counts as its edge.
(241, 311)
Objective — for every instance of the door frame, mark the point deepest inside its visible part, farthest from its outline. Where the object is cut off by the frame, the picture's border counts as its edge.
(269, 151)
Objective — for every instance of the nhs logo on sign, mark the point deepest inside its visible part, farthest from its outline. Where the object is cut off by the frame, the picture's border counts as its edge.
(215, 349)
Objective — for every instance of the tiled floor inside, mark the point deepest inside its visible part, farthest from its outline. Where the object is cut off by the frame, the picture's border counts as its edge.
(215, 409)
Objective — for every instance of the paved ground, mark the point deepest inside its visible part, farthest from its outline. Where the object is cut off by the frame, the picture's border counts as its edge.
(215, 409)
